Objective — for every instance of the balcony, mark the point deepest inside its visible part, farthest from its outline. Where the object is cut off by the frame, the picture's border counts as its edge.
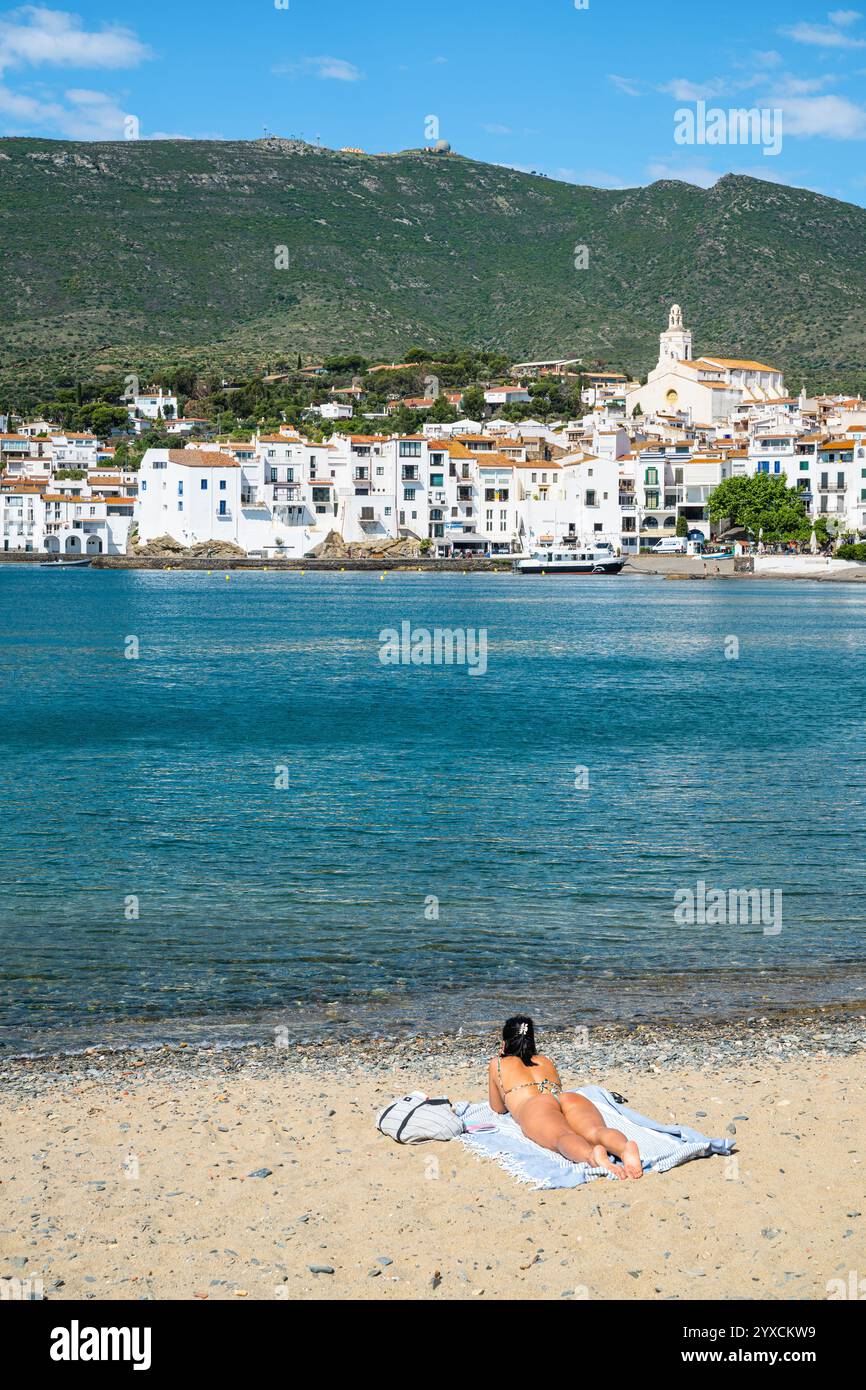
(410, 474)
(627, 501)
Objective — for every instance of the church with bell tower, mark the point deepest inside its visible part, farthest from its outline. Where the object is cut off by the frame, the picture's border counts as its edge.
(704, 389)
(675, 344)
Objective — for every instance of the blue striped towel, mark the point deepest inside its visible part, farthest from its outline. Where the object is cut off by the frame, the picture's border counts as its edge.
(661, 1146)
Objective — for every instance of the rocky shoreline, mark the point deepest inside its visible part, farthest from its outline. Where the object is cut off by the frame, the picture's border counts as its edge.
(823, 1032)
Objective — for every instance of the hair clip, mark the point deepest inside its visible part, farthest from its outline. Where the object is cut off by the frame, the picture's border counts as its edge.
(523, 1029)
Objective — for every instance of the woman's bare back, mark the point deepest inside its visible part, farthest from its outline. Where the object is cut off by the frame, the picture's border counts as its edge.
(516, 1084)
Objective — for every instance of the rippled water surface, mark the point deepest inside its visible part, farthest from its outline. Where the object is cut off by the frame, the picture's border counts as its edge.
(312, 905)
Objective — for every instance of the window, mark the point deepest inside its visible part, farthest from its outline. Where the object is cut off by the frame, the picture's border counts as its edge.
(180, 506)
(437, 479)
(590, 497)
(410, 449)
(804, 467)
(144, 482)
(222, 509)
(222, 484)
(652, 477)
(409, 494)
(204, 481)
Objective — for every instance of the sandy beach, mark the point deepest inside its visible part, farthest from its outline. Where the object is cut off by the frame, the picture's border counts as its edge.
(131, 1176)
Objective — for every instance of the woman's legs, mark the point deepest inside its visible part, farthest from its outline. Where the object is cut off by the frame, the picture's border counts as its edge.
(545, 1124)
(586, 1120)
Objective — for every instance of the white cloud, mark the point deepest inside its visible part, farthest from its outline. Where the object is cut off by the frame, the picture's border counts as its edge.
(681, 89)
(494, 129)
(844, 17)
(630, 85)
(699, 174)
(325, 68)
(599, 178)
(35, 36)
(832, 117)
(821, 36)
(789, 85)
(767, 58)
(83, 115)
(337, 69)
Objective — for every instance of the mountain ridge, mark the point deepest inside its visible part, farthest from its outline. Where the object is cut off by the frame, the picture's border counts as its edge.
(134, 254)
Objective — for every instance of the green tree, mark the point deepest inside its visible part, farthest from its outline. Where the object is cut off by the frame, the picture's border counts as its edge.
(473, 403)
(682, 525)
(762, 503)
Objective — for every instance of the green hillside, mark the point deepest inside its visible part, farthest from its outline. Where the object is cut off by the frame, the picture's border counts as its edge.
(126, 256)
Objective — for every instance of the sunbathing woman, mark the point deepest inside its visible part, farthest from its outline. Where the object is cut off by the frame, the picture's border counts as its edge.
(527, 1086)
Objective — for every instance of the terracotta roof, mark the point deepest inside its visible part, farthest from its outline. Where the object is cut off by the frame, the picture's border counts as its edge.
(742, 362)
(197, 458)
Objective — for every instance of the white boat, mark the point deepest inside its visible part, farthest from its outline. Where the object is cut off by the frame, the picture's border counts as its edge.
(585, 559)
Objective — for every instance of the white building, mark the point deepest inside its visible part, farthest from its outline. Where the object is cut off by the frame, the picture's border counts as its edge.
(153, 405)
(706, 388)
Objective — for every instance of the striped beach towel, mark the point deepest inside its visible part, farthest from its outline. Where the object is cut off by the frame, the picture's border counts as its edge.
(489, 1135)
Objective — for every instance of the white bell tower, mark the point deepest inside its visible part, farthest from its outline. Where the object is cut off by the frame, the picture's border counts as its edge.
(675, 344)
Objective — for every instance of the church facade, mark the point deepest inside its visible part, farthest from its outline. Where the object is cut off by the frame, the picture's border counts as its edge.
(708, 389)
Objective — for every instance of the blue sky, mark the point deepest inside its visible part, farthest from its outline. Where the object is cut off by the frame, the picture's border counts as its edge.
(585, 95)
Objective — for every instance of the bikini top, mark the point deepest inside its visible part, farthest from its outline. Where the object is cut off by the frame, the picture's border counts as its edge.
(551, 1087)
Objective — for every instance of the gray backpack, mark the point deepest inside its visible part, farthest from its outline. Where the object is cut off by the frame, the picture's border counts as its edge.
(416, 1118)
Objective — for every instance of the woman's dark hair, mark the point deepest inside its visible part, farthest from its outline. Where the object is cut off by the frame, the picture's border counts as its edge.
(518, 1034)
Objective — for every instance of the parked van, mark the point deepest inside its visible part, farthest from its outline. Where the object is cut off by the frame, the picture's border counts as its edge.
(671, 545)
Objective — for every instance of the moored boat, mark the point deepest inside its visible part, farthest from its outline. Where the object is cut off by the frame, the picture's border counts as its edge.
(590, 559)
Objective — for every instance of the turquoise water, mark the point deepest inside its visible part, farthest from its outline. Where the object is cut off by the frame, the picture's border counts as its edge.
(309, 906)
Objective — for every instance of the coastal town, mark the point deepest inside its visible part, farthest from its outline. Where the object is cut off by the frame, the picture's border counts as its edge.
(634, 472)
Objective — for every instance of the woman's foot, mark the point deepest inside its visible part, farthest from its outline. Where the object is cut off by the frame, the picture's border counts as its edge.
(631, 1160)
(601, 1158)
